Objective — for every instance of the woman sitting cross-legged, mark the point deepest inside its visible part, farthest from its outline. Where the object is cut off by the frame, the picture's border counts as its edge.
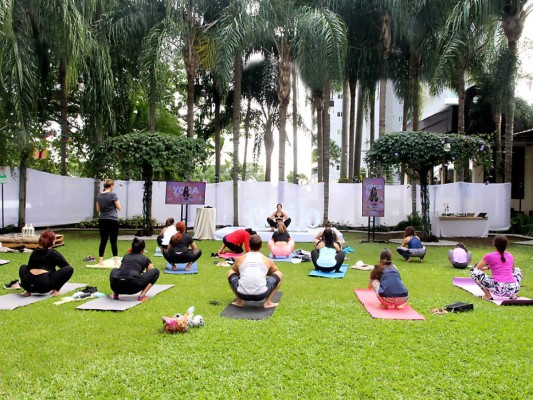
(459, 256)
(328, 256)
(506, 278)
(411, 245)
(40, 275)
(281, 244)
(386, 282)
(135, 274)
(182, 249)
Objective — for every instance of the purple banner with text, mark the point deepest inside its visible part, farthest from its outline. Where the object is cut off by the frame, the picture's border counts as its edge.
(373, 197)
(185, 193)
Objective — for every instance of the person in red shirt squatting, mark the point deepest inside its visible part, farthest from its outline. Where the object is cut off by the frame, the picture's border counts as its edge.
(233, 242)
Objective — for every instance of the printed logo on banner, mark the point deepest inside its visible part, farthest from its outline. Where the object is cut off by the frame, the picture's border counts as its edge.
(373, 197)
(185, 193)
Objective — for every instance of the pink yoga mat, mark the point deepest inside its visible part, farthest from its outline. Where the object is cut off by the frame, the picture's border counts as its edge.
(371, 303)
(470, 286)
(230, 255)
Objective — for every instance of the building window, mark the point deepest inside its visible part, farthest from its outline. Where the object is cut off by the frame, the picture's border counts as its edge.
(338, 167)
(339, 96)
(339, 113)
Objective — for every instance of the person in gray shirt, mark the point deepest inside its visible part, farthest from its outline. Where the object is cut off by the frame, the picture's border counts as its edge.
(108, 205)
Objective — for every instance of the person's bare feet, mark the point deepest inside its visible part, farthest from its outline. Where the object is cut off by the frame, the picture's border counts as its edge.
(487, 297)
(174, 268)
(26, 294)
(55, 293)
(383, 306)
(270, 304)
(188, 266)
(238, 303)
(409, 259)
(400, 307)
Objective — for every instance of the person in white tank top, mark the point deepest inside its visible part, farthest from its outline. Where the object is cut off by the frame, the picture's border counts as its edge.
(254, 277)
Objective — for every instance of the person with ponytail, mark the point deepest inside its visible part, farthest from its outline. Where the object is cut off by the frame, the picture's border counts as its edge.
(506, 278)
(387, 284)
(108, 205)
(166, 233)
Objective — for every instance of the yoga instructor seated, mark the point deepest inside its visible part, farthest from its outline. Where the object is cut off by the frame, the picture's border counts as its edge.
(506, 278)
(135, 274)
(235, 240)
(278, 216)
(40, 275)
(254, 277)
(182, 248)
(328, 255)
(281, 244)
(319, 238)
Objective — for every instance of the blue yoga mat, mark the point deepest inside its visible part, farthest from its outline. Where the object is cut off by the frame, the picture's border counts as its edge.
(181, 269)
(281, 259)
(335, 275)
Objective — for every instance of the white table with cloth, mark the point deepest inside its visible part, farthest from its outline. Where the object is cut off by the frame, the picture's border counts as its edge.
(205, 223)
(453, 226)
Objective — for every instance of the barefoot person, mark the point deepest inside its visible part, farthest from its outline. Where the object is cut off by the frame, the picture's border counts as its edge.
(506, 278)
(278, 216)
(182, 249)
(233, 242)
(40, 275)
(387, 284)
(108, 205)
(136, 273)
(254, 277)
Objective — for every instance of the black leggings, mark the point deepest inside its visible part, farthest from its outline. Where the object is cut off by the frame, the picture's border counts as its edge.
(182, 258)
(235, 248)
(339, 257)
(108, 230)
(46, 282)
(274, 223)
(132, 286)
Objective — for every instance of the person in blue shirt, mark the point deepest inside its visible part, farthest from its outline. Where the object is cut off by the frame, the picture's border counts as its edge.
(328, 255)
(411, 245)
(387, 284)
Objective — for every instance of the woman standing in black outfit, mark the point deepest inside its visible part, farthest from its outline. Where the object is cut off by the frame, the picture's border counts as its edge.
(108, 205)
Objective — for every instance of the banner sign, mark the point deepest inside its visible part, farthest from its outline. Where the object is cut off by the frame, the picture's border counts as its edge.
(185, 193)
(373, 197)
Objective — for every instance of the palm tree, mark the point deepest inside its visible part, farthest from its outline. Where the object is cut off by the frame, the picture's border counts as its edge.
(512, 15)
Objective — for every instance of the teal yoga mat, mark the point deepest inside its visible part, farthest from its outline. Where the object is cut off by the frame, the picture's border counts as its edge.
(334, 275)
(181, 269)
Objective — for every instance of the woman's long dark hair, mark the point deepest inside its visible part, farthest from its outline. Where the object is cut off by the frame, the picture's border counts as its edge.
(329, 240)
(500, 243)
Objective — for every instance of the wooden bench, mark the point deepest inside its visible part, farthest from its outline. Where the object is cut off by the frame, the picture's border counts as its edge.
(31, 242)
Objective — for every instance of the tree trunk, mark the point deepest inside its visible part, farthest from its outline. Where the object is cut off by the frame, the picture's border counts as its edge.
(359, 134)
(246, 136)
(284, 91)
(294, 124)
(345, 122)
(351, 157)
(498, 167)
(424, 197)
(148, 173)
(461, 167)
(326, 147)
(372, 122)
(318, 101)
(23, 179)
(382, 105)
(269, 148)
(414, 68)
(237, 66)
(152, 100)
(63, 107)
(509, 115)
(218, 129)
(190, 59)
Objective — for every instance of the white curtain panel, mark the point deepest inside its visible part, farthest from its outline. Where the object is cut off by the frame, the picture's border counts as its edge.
(57, 200)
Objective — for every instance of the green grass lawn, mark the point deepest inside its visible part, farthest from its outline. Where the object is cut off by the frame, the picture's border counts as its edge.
(320, 342)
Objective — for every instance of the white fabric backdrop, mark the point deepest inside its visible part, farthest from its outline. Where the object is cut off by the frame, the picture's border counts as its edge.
(58, 200)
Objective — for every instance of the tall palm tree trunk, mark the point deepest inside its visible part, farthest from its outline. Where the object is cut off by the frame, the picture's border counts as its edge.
(345, 123)
(152, 100)
(318, 101)
(498, 165)
(191, 63)
(284, 91)
(386, 40)
(461, 167)
(237, 67)
(269, 148)
(294, 124)
(414, 68)
(326, 147)
(63, 108)
(359, 133)
(246, 136)
(382, 106)
(218, 129)
(351, 157)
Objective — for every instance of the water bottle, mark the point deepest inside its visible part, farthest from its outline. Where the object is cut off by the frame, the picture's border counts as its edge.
(31, 230)
(25, 230)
